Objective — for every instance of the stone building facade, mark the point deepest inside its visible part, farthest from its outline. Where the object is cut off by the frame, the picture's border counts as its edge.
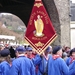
(72, 24)
(59, 12)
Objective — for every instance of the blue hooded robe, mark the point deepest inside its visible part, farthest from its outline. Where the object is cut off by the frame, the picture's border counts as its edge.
(4, 68)
(22, 66)
(57, 67)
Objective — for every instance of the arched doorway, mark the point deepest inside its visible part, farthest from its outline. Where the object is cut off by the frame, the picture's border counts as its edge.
(12, 29)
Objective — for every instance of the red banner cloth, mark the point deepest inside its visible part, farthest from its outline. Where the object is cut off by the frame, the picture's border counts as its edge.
(40, 32)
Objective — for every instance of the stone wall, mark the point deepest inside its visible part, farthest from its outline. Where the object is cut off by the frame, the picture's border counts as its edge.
(59, 11)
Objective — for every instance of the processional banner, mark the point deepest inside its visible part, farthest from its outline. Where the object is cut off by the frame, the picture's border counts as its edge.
(40, 32)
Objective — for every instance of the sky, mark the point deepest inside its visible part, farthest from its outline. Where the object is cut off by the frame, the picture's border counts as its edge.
(73, 1)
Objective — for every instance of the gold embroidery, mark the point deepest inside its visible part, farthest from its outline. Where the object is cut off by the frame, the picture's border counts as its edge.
(39, 44)
(44, 47)
(38, 5)
(39, 26)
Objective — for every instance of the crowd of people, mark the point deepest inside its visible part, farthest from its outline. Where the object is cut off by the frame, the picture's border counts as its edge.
(23, 60)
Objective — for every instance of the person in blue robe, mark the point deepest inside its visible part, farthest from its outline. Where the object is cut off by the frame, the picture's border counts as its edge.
(68, 60)
(5, 64)
(71, 58)
(22, 65)
(56, 65)
(5, 68)
(72, 63)
(72, 68)
(29, 52)
(41, 62)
